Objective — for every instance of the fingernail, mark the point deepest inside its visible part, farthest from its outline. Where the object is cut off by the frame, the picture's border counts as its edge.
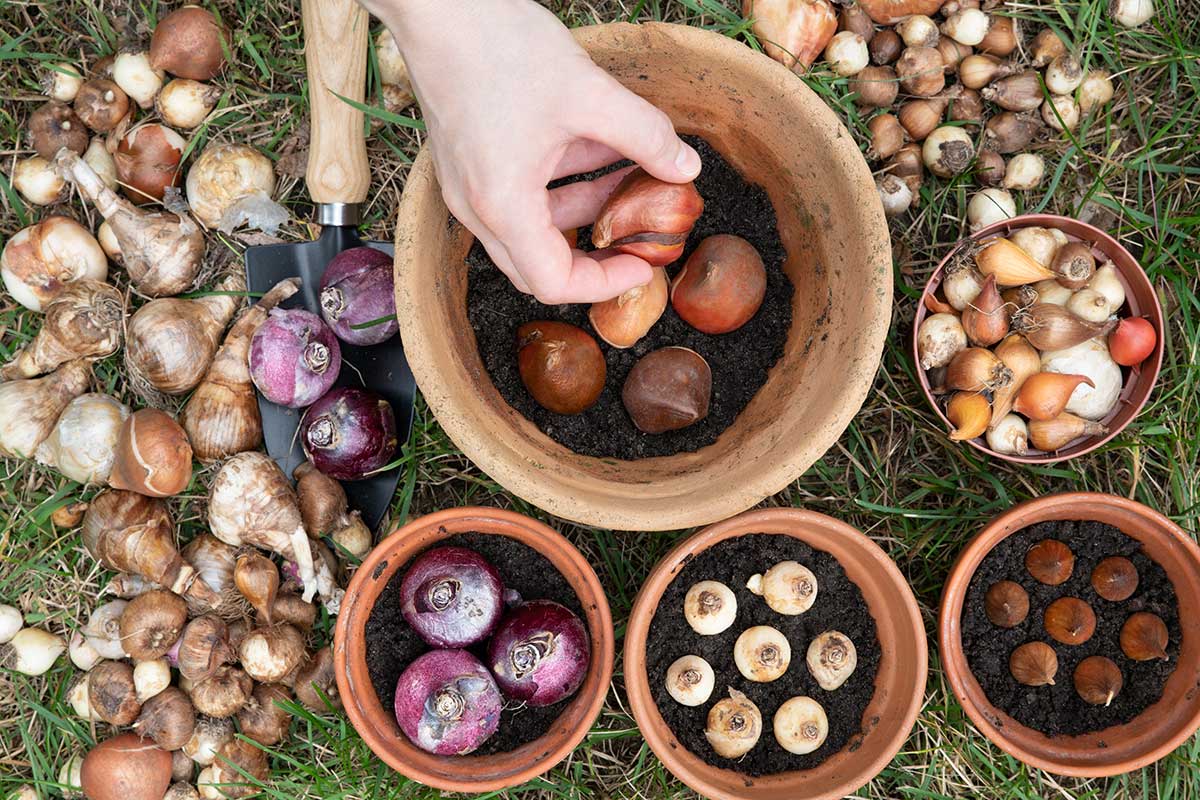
(687, 160)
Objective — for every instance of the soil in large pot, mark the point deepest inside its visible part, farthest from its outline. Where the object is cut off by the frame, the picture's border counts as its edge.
(739, 360)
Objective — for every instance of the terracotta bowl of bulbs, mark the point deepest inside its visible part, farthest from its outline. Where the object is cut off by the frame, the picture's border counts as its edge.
(1140, 301)
(778, 134)
(377, 725)
(1121, 748)
(899, 680)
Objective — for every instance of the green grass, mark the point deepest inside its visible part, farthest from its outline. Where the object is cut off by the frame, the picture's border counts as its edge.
(1133, 169)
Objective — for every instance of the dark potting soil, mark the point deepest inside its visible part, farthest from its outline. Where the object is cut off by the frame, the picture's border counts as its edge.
(392, 644)
(1058, 709)
(839, 606)
(739, 360)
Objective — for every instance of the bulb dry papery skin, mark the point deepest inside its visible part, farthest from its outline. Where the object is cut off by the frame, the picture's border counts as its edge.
(648, 218)
(325, 511)
(294, 357)
(39, 261)
(269, 655)
(447, 703)
(939, 339)
(231, 184)
(84, 320)
(152, 623)
(83, 443)
(112, 693)
(349, 433)
(168, 718)
(793, 32)
(762, 654)
(1115, 578)
(539, 653)
(30, 408)
(801, 725)
(206, 739)
(788, 587)
(690, 680)
(316, 685)
(832, 659)
(734, 725)
(668, 389)
(81, 653)
(251, 502)
(452, 597)
(357, 297)
(709, 607)
(625, 319)
(184, 103)
(37, 181)
(721, 286)
(1091, 359)
(153, 456)
(32, 651)
(1033, 664)
(162, 252)
(1144, 637)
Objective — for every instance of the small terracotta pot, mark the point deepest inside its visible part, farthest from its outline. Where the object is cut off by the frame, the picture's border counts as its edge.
(377, 725)
(1140, 301)
(1147, 737)
(778, 134)
(899, 682)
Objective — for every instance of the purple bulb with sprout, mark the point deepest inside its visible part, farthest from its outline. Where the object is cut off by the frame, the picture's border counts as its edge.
(294, 357)
(357, 290)
(452, 597)
(349, 433)
(540, 653)
(447, 703)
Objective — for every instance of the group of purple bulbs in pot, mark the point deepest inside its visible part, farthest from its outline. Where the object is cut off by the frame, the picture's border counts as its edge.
(719, 289)
(295, 359)
(448, 702)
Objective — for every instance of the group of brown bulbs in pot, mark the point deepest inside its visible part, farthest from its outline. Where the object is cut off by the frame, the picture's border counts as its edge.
(718, 290)
(1025, 341)
(945, 76)
(1070, 622)
(761, 654)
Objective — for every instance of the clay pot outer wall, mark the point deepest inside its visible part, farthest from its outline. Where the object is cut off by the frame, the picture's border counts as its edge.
(1140, 298)
(1152, 734)
(778, 134)
(899, 682)
(377, 725)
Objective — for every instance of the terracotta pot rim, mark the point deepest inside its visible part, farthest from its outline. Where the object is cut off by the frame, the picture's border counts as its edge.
(953, 658)
(1151, 367)
(551, 477)
(600, 628)
(777, 521)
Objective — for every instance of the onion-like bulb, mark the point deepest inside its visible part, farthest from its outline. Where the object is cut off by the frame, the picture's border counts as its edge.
(162, 252)
(793, 32)
(61, 82)
(130, 532)
(40, 260)
(148, 162)
(83, 444)
(30, 408)
(134, 74)
(325, 511)
(83, 321)
(37, 181)
(184, 103)
(101, 161)
(172, 341)
(191, 43)
(153, 456)
(252, 502)
(734, 725)
(228, 181)
(221, 417)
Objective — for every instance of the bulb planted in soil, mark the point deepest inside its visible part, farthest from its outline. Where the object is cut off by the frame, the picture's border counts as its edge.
(667, 390)
(1006, 604)
(1098, 680)
(1034, 664)
(832, 659)
(801, 725)
(789, 587)
(1144, 637)
(734, 725)
(1070, 620)
(561, 366)
(690, 680)
(1050, 561)
(1115, 578)
(710, 607)
(762, 654)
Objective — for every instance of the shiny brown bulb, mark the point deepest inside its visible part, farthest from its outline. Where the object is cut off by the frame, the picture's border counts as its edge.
(561, 366)
(1050, 561)
(1115, 578)
(1098, 680)
(648, 218)
(667, 390)
(721, 286)
(1070, 620)
(1006, 604)
(1144, 637)
(1034, 664)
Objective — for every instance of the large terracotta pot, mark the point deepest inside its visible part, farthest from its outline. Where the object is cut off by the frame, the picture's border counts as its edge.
(1147, 737)
(1140, 301)
(780, 135)
(377, 725)
(899, 681)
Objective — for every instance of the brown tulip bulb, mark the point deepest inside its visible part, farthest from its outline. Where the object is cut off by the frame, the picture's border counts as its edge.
(623, 321)
(1115, 578)
(189, 43)
(648, 218)
(561, 366)
(989, 168)
(1098, 680)
(1050, 561)
(55, 126)
(1144, 637)
(1006, 604)
(667, 390)
(885, 46)
(1034, 664)
(148, 162)
(101, 104)
(153, 456)
(1069, 620)
(721, 286)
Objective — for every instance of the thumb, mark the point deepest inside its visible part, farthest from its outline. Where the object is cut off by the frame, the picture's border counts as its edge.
(640, 132)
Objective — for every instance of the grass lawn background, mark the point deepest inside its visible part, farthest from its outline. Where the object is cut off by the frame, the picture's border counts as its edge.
(1133, 169)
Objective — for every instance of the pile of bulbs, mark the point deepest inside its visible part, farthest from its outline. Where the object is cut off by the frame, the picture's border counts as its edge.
(1070, 622)
(719, 289)
(1026, 339)
(762, 654)
(946, 77)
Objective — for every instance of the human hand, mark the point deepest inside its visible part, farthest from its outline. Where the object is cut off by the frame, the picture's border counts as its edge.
(511, 103)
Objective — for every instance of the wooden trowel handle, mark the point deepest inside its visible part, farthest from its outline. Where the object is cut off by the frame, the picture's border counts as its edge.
(335, 49)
